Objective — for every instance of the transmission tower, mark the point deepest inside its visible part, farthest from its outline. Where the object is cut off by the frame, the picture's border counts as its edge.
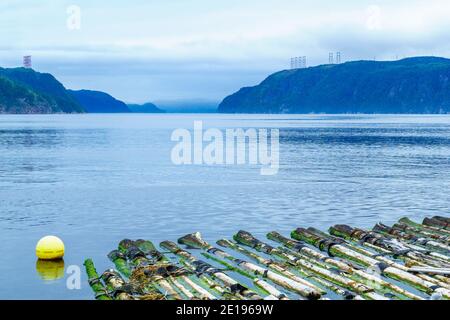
(331, 58)
(27, 62)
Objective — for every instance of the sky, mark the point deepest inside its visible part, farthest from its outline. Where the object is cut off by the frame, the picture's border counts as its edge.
(166, 50)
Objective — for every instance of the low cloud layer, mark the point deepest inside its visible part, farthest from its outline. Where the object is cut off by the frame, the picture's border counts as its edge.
(159, 50)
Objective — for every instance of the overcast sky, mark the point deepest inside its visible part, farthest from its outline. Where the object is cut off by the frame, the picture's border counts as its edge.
(150, 50)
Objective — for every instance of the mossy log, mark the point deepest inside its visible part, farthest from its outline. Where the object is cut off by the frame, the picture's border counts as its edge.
(155, 275)
(395, 248)
(419, 226)
(380, 257)
(275, 265)
(307, 291)
(202, 266)
(421, 234)
(210, 282)
(95, 282)
(338, 279)
(340, 250)
(410, 235)
(366, 278)
(437, 223)
(120, 261)
(117, 285)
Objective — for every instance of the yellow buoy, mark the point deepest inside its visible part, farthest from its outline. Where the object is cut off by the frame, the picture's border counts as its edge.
(50, 248)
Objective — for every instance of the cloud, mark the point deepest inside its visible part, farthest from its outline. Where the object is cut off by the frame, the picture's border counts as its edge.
(174, 41)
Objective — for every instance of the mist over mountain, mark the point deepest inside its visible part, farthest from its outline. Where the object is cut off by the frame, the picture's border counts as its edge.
(414, 85)
(189, 106)
(145, 108)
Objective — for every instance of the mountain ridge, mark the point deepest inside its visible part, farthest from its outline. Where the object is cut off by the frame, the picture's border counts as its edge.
(99, 102)
(30, 87)
(412, 85)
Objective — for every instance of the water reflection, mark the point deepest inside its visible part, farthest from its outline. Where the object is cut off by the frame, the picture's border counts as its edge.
(50, 270)
(97, 179)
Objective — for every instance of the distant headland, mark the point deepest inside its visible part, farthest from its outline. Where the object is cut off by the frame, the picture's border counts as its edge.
(414, 85)
(419, 85)
(25, 91)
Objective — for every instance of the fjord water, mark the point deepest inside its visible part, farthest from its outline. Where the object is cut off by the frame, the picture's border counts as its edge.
(96, 179)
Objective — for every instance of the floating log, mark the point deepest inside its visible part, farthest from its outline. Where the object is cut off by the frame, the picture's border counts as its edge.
(366, 278)
(287, 280)
(381, 257)
(422, 234)
(443, 219)
(393, 247)
(404, 232)
(424, 227)
(119, 288)
(210, 282)
(340, 250)
(368, 293)
(120, 261)
(443, 271)
(202, 266)
(306, 290)
(95, 281)
(350, 262)
(438, 223)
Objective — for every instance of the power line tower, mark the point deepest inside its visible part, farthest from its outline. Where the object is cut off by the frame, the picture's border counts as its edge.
(27, 62)
(331, 58)
(338, 57)
(298, 62)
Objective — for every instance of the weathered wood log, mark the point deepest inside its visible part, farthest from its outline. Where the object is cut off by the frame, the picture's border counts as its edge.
(195, 240)
(424, 227)
(340, 250)
(437, 223)
(442, 271)
(155, 275)
(204, 267)
(149, 249)
(322, 276)
(271, 264)
(380, 257)
(416, 239)
(423, 238)
(120, 261)
(366, 278)
(210, 282)
(444, 219)
(421, 234)
(95, 281)
(394, 247)
(266, 287)
(248, 239)
(119, 289)
(270, 289)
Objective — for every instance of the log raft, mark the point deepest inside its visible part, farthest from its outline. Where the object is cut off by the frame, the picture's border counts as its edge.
(406, 261)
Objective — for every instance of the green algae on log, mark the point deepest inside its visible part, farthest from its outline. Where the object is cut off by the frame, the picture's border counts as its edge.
(407, 260)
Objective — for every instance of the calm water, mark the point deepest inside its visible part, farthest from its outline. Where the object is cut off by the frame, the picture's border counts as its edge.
(96, 179)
